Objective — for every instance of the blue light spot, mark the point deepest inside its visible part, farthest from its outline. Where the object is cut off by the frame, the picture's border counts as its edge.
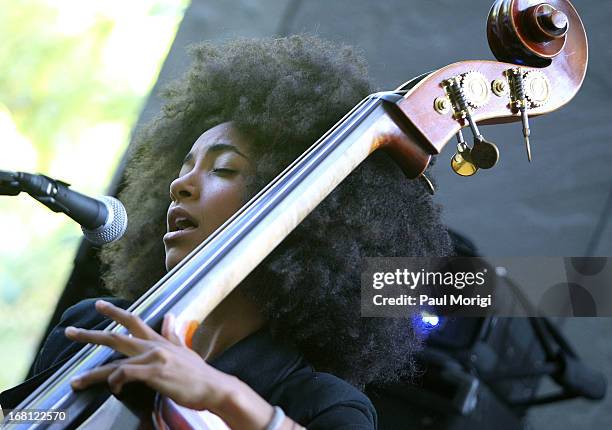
(430, 320)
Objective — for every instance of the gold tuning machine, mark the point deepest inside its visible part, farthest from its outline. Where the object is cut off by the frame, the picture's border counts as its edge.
(527, 89)
(484, 154)
(467, 92)
(462, 163)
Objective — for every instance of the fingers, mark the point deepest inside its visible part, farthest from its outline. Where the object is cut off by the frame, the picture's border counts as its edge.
(132, 372)
(132, 322)
(168, 330)
(102, 373)
(119, 342)
(97, 375)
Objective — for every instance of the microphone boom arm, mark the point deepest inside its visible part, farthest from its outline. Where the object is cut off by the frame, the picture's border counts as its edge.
(53, 193)
(9, 185)
(102, 220)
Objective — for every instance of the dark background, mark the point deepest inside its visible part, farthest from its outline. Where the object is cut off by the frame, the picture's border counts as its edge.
(558, 205)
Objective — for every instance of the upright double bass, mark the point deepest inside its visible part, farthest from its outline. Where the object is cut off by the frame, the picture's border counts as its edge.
(542, 53)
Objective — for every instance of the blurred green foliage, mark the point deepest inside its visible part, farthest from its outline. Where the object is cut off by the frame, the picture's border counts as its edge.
(74, 77)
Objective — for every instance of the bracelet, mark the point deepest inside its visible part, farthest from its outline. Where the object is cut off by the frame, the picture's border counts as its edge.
(277, 419)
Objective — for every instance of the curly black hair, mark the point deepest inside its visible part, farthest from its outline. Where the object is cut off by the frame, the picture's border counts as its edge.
(284, 94)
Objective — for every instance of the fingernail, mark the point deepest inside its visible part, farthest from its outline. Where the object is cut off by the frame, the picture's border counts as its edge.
(69, 331)
(76, 382)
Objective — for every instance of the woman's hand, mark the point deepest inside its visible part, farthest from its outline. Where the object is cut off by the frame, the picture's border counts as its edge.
(161, 362)
(170, 368)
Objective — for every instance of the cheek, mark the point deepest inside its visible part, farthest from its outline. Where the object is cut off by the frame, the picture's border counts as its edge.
(220, 203)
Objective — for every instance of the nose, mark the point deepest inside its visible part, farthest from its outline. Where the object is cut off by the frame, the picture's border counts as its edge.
(184, 187)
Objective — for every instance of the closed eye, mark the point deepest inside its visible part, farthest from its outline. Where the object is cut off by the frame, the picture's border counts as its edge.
(224, 171)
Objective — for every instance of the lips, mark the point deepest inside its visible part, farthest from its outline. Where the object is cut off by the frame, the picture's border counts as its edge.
(180, 222)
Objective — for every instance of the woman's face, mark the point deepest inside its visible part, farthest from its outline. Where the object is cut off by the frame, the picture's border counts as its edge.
(211, 187)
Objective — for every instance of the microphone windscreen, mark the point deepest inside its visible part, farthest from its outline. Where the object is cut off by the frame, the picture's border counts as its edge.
(115, 225)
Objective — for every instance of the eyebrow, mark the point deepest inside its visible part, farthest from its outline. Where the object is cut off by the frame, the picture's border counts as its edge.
(217, 147)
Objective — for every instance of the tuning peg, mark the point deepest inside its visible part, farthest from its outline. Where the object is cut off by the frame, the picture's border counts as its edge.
(484, 153)
(526, 132)
(461, 163)
(529, 89)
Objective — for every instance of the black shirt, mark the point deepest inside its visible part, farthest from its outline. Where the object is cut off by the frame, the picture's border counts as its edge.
(277, 372)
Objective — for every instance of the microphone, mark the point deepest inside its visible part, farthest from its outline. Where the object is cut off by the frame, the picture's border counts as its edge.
(102, 220)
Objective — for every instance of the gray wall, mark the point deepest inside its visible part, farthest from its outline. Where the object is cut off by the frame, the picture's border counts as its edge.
(553, 206)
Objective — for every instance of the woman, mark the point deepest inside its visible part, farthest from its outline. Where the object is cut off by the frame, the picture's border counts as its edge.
(252, 107)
